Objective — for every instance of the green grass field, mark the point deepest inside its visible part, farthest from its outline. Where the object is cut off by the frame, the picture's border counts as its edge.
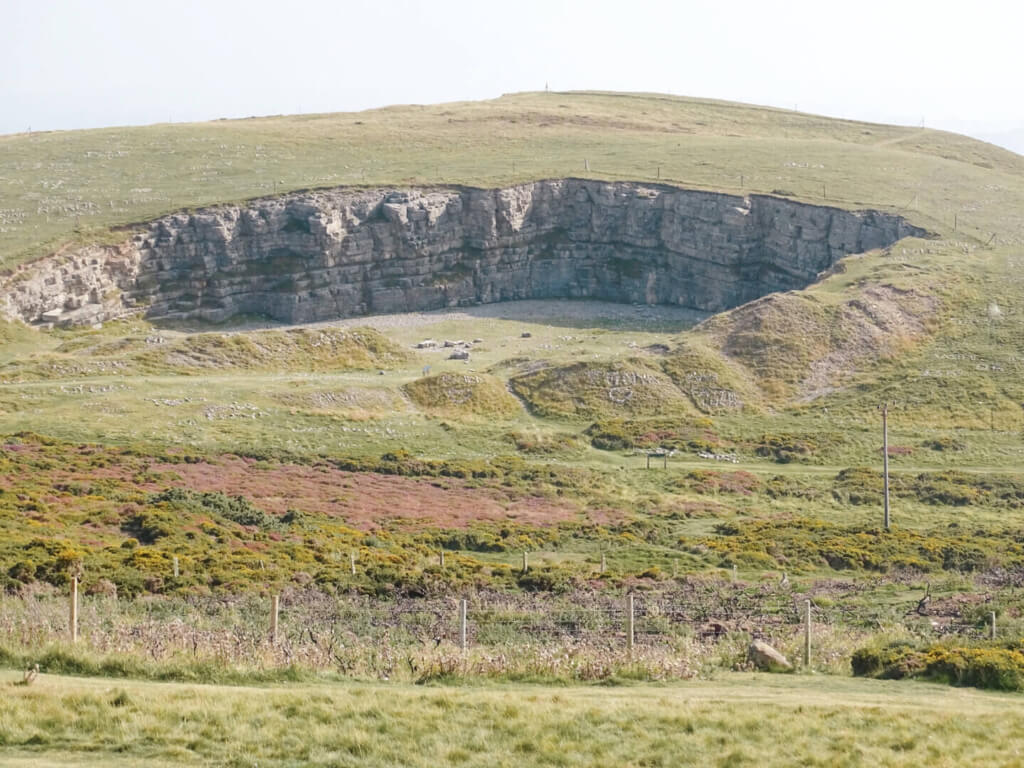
(736, 720)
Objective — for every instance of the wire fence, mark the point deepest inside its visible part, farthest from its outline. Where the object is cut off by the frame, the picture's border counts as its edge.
(708, 612)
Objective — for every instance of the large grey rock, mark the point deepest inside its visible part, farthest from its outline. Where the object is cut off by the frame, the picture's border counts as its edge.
(766, 658)
(338, 253)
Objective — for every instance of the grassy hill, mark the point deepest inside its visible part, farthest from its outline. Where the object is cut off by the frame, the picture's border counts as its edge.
(770, 409)
(57, 186)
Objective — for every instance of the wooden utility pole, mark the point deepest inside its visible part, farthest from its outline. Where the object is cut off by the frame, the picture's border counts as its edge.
(807, 634)
(462, 625)
(630, 625)
(275, 609)
(73, 617)
(885, 458)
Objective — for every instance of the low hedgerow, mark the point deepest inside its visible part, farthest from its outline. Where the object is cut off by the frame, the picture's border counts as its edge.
(996, 666)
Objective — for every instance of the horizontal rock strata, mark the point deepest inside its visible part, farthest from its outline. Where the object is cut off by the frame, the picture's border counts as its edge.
(339, 253)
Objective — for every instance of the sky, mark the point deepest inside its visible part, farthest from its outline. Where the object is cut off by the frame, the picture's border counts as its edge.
(88, 63)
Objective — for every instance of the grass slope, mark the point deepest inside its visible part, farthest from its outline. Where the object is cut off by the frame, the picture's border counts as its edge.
(786, 387)
(65, 185)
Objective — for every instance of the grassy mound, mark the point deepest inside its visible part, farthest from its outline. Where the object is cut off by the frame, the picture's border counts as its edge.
(459, 393)
(600, 389)
(799, 345)
(714, 383)
(302, 349)
(136, 348)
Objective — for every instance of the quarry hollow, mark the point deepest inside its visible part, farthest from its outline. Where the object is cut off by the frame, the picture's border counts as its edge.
(331, 254)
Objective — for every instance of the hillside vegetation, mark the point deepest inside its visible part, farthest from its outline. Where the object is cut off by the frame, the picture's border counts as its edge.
(263, 456)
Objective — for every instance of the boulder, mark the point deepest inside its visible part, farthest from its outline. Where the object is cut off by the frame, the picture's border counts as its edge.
(766, 658)
(459, 354)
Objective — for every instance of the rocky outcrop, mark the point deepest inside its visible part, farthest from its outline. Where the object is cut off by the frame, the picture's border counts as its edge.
(338, 253)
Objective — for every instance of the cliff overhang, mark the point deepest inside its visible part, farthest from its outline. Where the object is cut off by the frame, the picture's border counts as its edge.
(344, 252)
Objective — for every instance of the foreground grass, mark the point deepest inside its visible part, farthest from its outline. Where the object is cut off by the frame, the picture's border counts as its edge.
(738, 720)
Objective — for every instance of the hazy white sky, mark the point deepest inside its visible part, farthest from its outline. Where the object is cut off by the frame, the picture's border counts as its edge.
(86, 63)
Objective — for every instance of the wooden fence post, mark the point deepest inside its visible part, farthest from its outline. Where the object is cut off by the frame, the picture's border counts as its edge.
(73, 614)
(630, 622)
(440, 558)
(604, 564)
(275, 608)
(807, 634)
(992, 626)
(352, 562)
(526, 561)
(462, 625)
(175, 566)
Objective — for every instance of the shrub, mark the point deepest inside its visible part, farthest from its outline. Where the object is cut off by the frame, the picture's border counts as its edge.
(546, 579)
(988, 666)
(236, 509)
(147, 527)
(785, 448)
(945, 444)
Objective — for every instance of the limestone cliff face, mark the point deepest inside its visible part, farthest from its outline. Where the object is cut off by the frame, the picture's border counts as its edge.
(337, 253)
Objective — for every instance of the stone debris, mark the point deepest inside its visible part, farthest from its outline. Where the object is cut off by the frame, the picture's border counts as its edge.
(426, 344)
(233, 411)
(732, 458)
(93, 389)
(459, 354)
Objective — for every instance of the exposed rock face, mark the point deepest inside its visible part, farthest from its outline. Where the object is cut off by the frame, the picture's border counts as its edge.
(339, 253)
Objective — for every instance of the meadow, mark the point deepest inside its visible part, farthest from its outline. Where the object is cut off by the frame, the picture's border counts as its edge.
(741, 720)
